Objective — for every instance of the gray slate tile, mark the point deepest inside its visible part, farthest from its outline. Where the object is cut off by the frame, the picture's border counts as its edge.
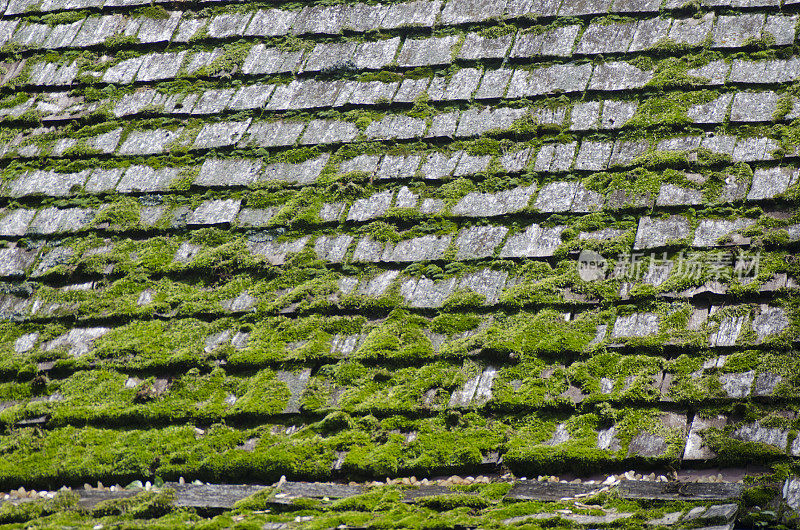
(653, 233)
(606, 38)
(691, 31)
(228, 172)
(427, 52)
(492, 204)
(214, 212)
(556, 42)
(479, 241)
(732, 31)
(770, 182)
(534, 242)
(477, 47)
(471, 11)
(419, 13)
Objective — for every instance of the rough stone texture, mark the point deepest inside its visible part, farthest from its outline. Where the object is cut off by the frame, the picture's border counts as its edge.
(672, 195)
(767, 183)
(427, 52)
(493, 204)
(423, 248)
(635, 325)
(728, 332)
(371, 207)
(478, 47)
(220, 211)
(755, 432)
(479, 241)
(653, 233)
(549, 79)
(534, 242)
(771, 321)
(228, 172)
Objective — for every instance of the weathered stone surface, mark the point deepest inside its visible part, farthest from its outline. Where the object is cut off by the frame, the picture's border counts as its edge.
(276, 252)
(219, 211)
(15, 222)
(146, 179)
(301, 173)
(493, 204)
(15, 261)
(710, 231)
(771, 321)
(549, 80)
(46, 183)
(555, 157)
(398, 166)
(371, 207)
(396, 127)
(728, 332)
(479, 241)
(613, 76)
(531, 490)
(423, 248)
(755, 432)
(691, 31)
(737, 385)
(271, 22)
(419, 13)
(148, 142)
(695, 448)
(672, 195)
(225, 172)
(427, 52)
(636, 325)
(734, 30)
(617, 113)
(332, 248)
(781, 27)
(220, 134)
(606, 38)
(159, 66)
(477, 47)
(767, 183)
(459, 12)
(534, 242)
(653, 233)
(647, 445)
(643, 489)
(77, 341)
(556, 197)
(754, 106)
(765, 383)
(272, 133)
(556, 42)
(476, 391)
(593, 156)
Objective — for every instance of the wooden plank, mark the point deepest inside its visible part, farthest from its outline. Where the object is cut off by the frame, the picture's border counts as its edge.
(701, 491)
(549, 491)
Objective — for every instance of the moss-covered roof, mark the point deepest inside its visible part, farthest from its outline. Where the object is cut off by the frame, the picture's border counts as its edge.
(246, 243)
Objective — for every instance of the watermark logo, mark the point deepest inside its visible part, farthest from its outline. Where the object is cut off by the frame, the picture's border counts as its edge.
(591, 266)
(716, 265)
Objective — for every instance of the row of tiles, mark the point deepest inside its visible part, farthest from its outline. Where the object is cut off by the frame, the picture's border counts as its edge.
(427, 444)
(540, 386)
(719, 328)
(361, 17)
(587, 155)
(536, 80)
(553, 197)
(466, 84)
(724, 32)
(678, 275)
